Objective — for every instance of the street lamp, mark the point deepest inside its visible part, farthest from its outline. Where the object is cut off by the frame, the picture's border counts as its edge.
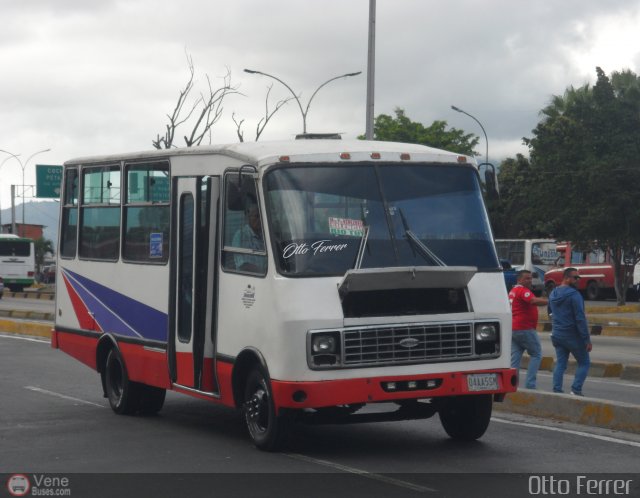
(457, 109)
(23, 166)
(305, 111)
(5, 160)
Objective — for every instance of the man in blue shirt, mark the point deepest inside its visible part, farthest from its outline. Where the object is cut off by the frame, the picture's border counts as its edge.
(570, 333)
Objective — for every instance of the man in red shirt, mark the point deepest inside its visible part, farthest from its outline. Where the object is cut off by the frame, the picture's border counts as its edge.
(524, 311)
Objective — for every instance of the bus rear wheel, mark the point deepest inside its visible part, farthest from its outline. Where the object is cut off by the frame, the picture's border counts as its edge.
(268, 430)
(124, 395)
(466, 418)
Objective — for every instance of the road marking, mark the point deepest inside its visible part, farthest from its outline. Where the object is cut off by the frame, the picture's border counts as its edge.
(22, 338)
(568, 431)
(63, 396)
(363, 473)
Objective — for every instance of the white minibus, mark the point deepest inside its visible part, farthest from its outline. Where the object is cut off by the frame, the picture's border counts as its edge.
(297, 281)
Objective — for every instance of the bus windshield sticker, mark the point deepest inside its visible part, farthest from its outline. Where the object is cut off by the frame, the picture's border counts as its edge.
(345, 226)
(318, 247)
(155, 245)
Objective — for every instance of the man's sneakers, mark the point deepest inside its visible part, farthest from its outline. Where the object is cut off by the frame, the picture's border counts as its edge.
(577, 393)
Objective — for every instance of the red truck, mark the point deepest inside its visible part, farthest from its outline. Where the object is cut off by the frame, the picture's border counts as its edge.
(595, 269)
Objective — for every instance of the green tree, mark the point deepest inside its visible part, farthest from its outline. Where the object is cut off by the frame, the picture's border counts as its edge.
(401, 129)
(42, 248)
(585, 170)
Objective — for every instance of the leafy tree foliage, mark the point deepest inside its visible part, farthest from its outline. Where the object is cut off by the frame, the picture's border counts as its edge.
(581, 183)
(401, 129)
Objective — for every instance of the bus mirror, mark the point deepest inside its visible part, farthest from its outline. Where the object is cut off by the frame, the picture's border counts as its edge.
(490, 180)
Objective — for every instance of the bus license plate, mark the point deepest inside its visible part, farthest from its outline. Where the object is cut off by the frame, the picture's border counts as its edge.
(482, 382)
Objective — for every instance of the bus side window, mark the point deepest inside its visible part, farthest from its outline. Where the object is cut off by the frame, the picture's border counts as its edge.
(146, 213)
(69, 235)
(243, 244)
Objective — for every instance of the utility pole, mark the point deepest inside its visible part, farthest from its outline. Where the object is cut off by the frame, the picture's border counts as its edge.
(371, 69)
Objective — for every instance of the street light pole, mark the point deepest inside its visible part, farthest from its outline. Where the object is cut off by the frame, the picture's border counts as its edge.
(457, 109)
(305, 111)
(23, 166)
(5, 160)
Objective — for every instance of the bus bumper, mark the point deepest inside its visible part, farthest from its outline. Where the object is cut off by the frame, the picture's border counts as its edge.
(380, 389)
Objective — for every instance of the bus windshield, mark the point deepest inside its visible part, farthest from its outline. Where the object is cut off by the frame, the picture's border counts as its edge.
(323, 217)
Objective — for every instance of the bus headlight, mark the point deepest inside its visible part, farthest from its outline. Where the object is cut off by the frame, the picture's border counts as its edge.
(486, 332)
(324, 349)
(487, 338)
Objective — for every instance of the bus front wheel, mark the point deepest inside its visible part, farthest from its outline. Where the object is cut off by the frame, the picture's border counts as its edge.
(124, 395)
(268, 430)
(466, 418)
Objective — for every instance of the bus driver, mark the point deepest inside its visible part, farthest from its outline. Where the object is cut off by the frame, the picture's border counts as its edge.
(250, 237)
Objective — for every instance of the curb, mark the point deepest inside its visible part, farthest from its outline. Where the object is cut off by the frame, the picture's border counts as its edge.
(26, 328)
(567, 408)
(49, 296)
(27, 315)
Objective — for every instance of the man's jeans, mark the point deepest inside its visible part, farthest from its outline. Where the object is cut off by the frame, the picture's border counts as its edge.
(578, 349)
(526, 340)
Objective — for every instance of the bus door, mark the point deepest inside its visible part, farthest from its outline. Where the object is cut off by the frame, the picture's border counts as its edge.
(194, 300)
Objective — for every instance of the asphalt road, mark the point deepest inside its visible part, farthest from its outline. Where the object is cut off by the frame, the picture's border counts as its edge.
(54, 420)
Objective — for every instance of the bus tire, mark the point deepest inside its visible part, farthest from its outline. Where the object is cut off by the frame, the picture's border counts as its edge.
(466, 418)
(268, 430)
(151, 399)
(124, 395)
(593, 291)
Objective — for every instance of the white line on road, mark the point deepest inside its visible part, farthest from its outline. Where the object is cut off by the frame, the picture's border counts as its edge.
(568, 431)
(363, 473)
(23, 338)
(63, 396)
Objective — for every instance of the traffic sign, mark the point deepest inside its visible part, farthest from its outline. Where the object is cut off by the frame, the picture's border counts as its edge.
(48, 180)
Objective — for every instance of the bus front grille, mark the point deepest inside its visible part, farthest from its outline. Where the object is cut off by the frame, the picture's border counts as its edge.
(394, 345)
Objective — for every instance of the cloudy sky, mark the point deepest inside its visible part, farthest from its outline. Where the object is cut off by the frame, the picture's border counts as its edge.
(84, 78)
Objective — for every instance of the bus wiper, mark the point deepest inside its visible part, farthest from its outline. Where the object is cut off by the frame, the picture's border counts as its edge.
(363, 244)
(415, 242)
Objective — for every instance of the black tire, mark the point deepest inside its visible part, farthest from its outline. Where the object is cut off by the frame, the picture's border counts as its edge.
(268, 431)
(466, 418)
(151, 399)
(593, 291)
(124, 395)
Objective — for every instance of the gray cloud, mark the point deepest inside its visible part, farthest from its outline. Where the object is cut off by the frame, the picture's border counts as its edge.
(93, 77)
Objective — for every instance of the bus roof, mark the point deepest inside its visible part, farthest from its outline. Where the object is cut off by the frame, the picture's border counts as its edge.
(14, 237)
(265, 153)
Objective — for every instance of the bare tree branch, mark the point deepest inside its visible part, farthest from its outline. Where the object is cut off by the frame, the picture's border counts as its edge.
(209, 106)
(239, 131)
(268, 115)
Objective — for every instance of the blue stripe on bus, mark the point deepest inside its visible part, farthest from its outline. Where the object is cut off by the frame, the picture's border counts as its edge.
(118, 313)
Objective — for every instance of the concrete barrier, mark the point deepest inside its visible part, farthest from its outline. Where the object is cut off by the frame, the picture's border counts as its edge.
(597, 369)
(26, 328)
(579, 410)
